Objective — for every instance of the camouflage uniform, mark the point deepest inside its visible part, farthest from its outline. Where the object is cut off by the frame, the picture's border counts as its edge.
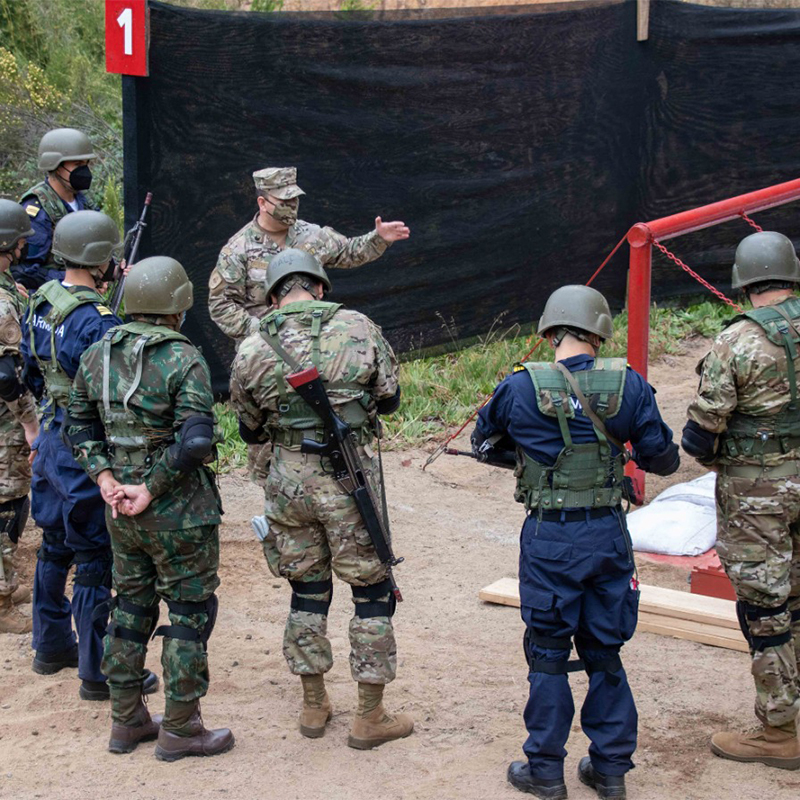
(236, 298)
(744, 385)
(315, 528)
(15, 471)
(156, 380)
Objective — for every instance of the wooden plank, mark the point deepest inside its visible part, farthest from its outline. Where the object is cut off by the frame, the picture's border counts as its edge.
(504, 592)
(642, 20)
(684, 605)
(692, 631)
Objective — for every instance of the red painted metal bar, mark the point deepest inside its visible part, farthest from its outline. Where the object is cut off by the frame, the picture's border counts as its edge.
(641, 237)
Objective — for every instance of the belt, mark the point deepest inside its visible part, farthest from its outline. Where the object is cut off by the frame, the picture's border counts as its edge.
(756, 472)
(285, 454)
(575, 515)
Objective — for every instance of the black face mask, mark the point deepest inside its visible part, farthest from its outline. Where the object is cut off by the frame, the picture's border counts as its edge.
(23, 255)
(80, 179)
(111, 269)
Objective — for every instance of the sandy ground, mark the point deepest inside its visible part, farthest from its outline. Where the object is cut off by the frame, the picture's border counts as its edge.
(461, 674)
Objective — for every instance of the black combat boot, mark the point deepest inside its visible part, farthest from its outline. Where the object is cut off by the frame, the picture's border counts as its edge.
(611, 787)
(98, 690)
(519, 776)
(50, 664)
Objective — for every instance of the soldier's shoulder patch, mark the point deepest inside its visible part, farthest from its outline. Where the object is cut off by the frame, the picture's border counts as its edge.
(518, 368)
(104, 311)
(31, 210)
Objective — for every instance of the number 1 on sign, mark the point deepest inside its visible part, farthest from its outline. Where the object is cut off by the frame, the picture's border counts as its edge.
(125, 21)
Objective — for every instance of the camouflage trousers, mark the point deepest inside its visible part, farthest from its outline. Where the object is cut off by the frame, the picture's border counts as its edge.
(258, 456)
(758, 541)
(15, 482)
(175, 565)
(315, 529)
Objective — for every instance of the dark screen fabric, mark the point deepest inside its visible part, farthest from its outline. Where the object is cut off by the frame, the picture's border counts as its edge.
(519, 147)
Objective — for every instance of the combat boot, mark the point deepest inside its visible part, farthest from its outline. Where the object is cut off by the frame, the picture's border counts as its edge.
(194, 739)
(11, 621)
(606, 786)
(519, 776)
(21, 595)
(317, 708)
(50, 664)
(775, 747)
(98, 690)
(372, 725)
(141, 728)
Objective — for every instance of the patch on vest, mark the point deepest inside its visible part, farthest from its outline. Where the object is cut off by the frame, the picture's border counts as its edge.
(104, 311)
(32, 210)
(518, 368)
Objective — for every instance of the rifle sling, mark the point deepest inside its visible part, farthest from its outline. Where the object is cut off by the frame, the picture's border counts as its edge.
(589, 411)
(275, 344)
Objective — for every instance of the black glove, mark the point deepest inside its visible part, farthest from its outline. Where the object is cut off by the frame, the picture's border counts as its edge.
(481, 447)
(699, 443)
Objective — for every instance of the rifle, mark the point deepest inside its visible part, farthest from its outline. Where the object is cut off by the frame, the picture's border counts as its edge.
(501, 458)
(136, 232)
(341, 449)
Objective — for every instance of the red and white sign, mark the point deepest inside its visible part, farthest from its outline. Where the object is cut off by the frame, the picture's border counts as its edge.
(127, 36)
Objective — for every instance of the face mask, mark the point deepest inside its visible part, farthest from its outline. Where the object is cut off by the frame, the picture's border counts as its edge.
(23, 255)
(284, 213)
(80, 179)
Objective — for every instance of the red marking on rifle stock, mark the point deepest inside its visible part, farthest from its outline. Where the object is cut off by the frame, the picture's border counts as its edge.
(302, 378)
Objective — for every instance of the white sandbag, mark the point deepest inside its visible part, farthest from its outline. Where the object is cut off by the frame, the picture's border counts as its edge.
(681, 521)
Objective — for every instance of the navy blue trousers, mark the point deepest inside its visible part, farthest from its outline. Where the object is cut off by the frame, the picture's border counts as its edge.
(69, 509)
(575, 580)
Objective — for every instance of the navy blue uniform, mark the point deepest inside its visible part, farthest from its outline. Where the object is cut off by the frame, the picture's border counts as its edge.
(576, 576)
(65, 503)
(34, 270)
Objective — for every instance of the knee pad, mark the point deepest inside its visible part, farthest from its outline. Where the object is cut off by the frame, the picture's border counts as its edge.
(13, 517)
(749, 615)
(375, 607)
(301, 602)
(559, 667)
(98, 577)
(54, 540)
(209, 607)
(149, 615)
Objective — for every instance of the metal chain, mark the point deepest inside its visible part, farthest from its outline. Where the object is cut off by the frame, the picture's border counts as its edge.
(672, 257)
(751, 222)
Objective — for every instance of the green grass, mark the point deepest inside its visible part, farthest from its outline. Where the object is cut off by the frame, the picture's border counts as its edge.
(440, 392)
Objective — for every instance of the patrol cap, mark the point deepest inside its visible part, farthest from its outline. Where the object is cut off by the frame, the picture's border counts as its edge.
(15, 224)
(294, 262)
(85, 238)
(64, 144)
(280, 182)
(578, 307)
(158, 285)
(765, 256)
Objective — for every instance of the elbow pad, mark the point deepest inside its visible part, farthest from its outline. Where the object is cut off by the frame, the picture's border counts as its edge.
(10, 386)
(698, 442)
(667, 463)
(388, 405)
(196, 444)
(248, 436)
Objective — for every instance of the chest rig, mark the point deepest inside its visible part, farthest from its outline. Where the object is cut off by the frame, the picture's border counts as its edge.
(130, 441)
(51, 204)
(63, 301)
(295, 417)
(754, 436)
(584, 475)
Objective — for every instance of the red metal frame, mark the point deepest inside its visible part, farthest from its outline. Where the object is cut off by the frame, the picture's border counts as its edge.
(641, 237)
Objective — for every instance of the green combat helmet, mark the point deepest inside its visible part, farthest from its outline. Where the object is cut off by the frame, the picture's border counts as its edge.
(158, 285)
(85, 238)
(578, 307)
(15, 224)
(765, 256)
(63, 144)
(294, 262)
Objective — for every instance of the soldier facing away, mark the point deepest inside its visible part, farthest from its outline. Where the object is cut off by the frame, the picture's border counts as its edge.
(314, 526)
(19, 426)
(141, 424)
(237, 301)
(64, 154)
(744, 421)
(577, 583)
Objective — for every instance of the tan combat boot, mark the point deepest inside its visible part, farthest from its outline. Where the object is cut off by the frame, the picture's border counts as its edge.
(21, 595)
(11, 621)
(774, 747)
(191, 738)
(372, 725)
(317, 708)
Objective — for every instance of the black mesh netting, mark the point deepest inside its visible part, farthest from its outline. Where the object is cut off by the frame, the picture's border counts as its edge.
(519, 147)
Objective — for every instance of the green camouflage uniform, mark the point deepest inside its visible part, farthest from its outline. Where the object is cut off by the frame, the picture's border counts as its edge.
(314, 527)
(744, 384)
(15, 471)
(171, 550)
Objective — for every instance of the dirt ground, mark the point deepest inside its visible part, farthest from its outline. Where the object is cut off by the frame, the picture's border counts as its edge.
(461, 672)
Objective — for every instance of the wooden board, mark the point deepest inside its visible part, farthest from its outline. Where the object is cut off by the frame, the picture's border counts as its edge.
(708, 620)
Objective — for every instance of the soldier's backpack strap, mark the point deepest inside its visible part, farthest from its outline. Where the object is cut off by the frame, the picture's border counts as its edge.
(790, 346)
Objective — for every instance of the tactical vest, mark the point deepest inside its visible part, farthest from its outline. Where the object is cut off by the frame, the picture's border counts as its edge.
(129, 441)
(63, 301)
(52, 205)
(296, 418)
(751, 436)
(583, 475)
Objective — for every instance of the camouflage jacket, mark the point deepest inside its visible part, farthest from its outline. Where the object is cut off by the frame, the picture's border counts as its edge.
(354, 360)
(236, 297)
(12, 309)
(138, 427)
(744, 373)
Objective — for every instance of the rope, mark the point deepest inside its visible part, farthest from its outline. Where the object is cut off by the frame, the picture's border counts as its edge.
(441, 448)
(751, 222)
